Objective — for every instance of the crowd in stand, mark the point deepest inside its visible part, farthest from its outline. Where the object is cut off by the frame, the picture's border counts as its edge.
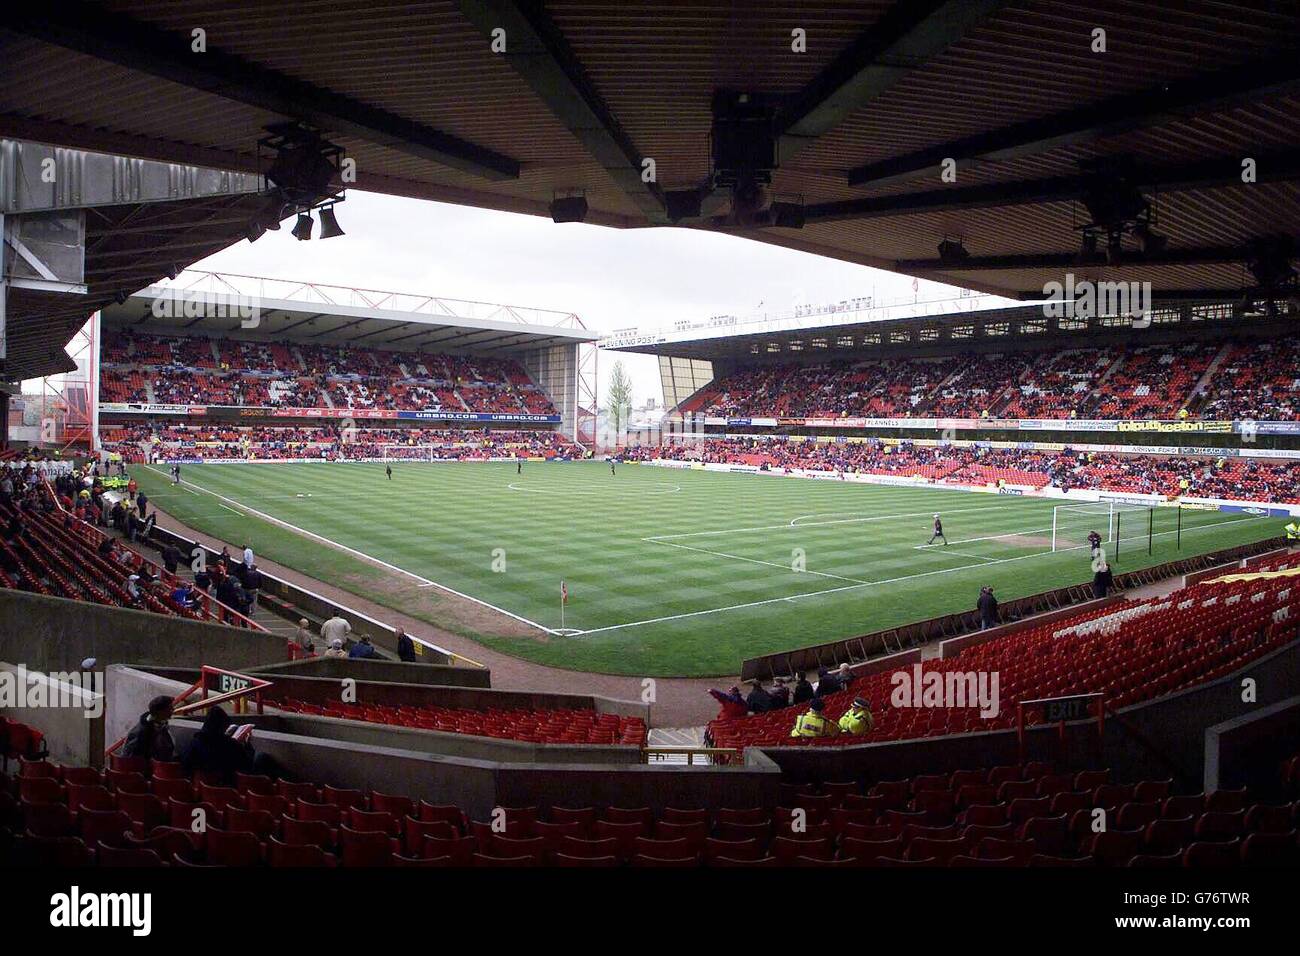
(1247, 479)
(1260, 381)
(138, 367)
(164, 440)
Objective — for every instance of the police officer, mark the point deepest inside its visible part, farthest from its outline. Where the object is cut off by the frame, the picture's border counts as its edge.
(857, 720)
(812, 723)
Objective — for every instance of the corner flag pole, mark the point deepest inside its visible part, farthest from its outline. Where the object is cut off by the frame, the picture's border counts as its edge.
(564, 599)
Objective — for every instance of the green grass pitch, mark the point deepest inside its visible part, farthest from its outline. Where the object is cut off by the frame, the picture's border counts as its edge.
(670, 572)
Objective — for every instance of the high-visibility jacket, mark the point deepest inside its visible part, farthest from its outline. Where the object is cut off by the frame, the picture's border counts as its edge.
(812, 724)
(1292, 531)
(857, 722)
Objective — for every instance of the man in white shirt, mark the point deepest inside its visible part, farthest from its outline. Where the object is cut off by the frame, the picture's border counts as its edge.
(335, 629)
(248, 556)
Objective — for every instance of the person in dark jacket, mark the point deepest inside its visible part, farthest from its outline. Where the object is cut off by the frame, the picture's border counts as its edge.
(780, 694)
(759, 700)
(214, 752)
(803, 690)
(987, 605)
(171, 556)
(231, 594)
(363, 649)
(150, 738)
(141, 501)
(405, 647)
(832, 682)
(1102, 581)
(252, 585)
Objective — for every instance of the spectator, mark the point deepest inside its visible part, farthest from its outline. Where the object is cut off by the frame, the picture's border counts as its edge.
(1102, 581)
(336, 648)
(803, 690)
(171, 557)
(812, 723)
(184, 596)
(363, 649)
(334, 628)
(213, 752)
(141, 502)
(302, 636)
(833, 682)
(405, 646)
(759, 700)
(133, 586)
(988, 608)
(252, 584)
(150, 738)
(780, 694)
(248, 556)
(732, 703)
(231, 594)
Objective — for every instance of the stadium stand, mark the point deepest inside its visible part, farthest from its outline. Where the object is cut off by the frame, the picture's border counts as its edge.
(138, 813)
(1232, 478)
(1157, 382)
(1142, 650)
(140, 367)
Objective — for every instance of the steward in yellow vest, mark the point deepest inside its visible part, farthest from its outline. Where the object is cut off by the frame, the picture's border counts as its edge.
(857, 720)
(1292, 531)
(813, 724)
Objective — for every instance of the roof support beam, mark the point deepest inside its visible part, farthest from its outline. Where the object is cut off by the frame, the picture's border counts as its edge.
(1111, 117)
(905, 38)
(539, 52)
(1198, 255)
(136, 45)
(1274, 167)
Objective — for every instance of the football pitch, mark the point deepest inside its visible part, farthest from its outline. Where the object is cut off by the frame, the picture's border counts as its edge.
(669, 572)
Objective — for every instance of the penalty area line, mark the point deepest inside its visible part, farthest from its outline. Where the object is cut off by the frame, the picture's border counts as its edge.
(361, 554)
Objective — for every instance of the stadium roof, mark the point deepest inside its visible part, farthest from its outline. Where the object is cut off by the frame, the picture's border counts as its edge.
(1015, 91)
(943, 325)
(251, 307)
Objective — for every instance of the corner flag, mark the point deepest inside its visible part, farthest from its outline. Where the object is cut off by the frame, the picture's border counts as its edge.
(564, 593)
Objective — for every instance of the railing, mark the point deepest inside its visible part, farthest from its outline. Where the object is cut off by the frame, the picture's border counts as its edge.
(250, 687)
(716, 755)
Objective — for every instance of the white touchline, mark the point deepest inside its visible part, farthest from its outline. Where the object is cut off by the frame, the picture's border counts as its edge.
(855, 587)
(373, 560)
(987, 537)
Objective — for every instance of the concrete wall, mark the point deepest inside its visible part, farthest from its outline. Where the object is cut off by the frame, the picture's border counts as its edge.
(55, 634)
(322, 689)
(479, 785)
(394, 672)
(1248, 751)
(70, 715)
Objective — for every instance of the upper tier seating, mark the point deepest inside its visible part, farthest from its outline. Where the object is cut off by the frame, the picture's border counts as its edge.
(208, 371)
(1257, 381)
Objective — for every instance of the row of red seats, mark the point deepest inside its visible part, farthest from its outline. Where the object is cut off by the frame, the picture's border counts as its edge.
(539, 725)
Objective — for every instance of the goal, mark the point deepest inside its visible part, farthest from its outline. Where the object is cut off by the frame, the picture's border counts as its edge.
(1115, 521)
(410, 452)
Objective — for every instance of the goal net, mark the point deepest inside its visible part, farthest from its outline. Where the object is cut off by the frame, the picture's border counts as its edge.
(410, 452)
(1114, 521)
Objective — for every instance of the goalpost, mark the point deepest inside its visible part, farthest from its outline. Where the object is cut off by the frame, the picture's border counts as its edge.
(408, 452)
(1115, 521)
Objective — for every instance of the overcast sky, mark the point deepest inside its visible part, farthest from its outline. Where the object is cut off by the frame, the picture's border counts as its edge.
(612, 278)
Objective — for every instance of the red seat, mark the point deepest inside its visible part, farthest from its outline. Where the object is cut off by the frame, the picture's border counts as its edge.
(260, 823)
(364, 821)
(167, 770)
(103, 825)
(585, 817)
(1212, 854)
(679, 863)
(593, 862)
(678, 816)
(641, 815)
(497, 862)
(431, 813)
(145, 810)
(415, 832)
(366, 848)
(939, 851)
(397, 806)
(508, 847)
(308, 833)
(254, 783)
(1169, 836)
(1116, 847)
(576, 846)
(297, 855)
(166, 788)
(1271, 849)
(342, 797)
(225, 848)
(49, 820)
(460, 849)
(112, 856)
